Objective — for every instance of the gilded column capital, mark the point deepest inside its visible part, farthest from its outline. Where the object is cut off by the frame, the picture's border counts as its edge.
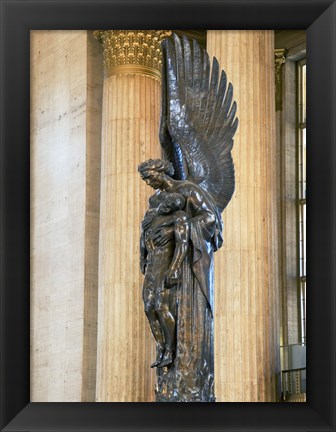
(279, 61)
(132, 51)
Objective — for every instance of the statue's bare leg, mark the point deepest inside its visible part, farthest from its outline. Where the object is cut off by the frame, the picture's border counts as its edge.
(166, 298)
(157, 333)
(168, 326)
(153, 319)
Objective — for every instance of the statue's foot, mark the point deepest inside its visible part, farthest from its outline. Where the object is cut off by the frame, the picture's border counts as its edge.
(167, 359)
(158, 358)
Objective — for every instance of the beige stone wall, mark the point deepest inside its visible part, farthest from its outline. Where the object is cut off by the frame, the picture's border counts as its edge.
(65, 152)
(94, 97)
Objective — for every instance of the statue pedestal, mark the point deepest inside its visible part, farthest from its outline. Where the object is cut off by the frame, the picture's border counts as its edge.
(190, 378)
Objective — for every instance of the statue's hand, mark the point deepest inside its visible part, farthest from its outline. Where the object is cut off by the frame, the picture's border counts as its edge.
(143, 265)
(171, 278)
(163, 235)
(148, 219)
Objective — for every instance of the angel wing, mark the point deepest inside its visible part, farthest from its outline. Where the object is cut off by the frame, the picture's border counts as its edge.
(197, 119)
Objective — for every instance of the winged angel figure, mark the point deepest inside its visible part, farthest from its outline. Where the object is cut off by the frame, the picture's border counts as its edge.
(198, 122)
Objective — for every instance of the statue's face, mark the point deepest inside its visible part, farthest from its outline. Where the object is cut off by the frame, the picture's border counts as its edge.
(165, 208)
(154, 179)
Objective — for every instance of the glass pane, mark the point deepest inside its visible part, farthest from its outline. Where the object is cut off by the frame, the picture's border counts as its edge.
(304, 163)
(303, 93)
(302, 233)
(303, 310)
(304, 238)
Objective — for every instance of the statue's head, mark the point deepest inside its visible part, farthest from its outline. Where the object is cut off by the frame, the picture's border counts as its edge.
(171, 202)
(152, 171)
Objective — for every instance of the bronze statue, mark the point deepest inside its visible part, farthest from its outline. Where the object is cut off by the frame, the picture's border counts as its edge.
(198, 122)
(161, 262)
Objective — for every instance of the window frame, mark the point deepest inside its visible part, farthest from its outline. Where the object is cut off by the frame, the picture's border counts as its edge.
(301, 72)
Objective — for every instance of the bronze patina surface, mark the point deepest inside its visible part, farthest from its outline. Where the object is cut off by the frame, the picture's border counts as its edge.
(182, 228)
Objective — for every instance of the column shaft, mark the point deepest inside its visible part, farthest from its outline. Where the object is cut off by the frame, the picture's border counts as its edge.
(130, 135)
(246, 268)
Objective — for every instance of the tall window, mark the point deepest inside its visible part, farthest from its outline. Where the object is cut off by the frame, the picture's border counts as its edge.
(301, 71)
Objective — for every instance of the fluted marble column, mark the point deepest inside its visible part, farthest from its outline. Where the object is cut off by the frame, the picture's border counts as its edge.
(131, 110)
(246, 268)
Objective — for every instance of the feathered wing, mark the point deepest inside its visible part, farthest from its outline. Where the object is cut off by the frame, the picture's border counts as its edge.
(198, 119)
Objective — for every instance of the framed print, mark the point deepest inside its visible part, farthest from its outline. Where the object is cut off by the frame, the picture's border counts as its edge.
(19, 19)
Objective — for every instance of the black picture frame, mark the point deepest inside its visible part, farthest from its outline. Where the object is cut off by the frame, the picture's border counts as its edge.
(18, 17)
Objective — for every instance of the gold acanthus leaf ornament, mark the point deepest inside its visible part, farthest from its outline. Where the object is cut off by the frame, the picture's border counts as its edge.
(132, 51)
